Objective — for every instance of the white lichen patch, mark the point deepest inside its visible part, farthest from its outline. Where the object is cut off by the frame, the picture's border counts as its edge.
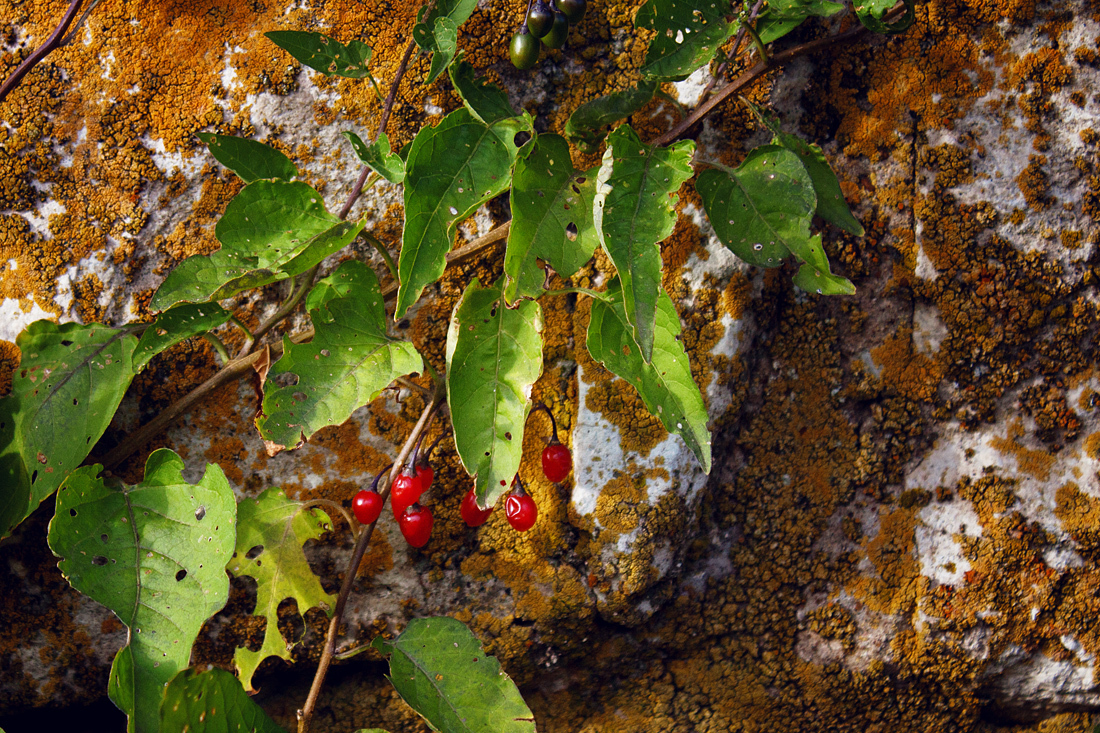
(942, 557)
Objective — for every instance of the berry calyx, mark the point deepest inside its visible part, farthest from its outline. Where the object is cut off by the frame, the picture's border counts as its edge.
(406, 491)
(559, 31)
(557, 462)
(367, 506)
(416, 525)
(472, 514)
(540, 19)
(523, 49)
(573, 10)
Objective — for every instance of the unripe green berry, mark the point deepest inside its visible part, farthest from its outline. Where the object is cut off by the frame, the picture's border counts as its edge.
(540, 19)
(523, 50)
(558, 32)
(573, 10)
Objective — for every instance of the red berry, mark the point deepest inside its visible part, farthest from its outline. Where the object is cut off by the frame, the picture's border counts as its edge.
(425, 473)
(521, 512)
(416, 525)
(366, 506)
(557, 462)
(472, 514)
(406, 492)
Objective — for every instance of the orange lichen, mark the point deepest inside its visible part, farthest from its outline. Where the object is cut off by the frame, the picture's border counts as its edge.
(1037, 463)
(908, 372)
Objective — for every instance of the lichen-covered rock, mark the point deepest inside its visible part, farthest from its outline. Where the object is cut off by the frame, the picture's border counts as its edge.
(902, 528)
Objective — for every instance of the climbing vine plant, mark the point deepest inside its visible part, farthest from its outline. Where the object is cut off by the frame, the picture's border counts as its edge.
(157, 553)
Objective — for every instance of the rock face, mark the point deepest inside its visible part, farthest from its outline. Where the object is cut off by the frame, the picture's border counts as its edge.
(902, 528)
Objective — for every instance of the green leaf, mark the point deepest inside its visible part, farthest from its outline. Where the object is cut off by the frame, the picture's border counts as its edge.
(814, 276)
(780, 17)
(870, 14)
(278, 527)
(587, 126)
(634, 210)
(688, 35)
(350, 360)
(439, 668)
(452, 169)
(270, 231)
(69, 382)
(175, 325)
(485, 100)
(213, 702)
(438, 32)
(831, 205)
(494, 356)
(665, 385)
(551, 217)
(378, 156)
(250, 160)
(154, 554)
(324, 54)
(762, 210)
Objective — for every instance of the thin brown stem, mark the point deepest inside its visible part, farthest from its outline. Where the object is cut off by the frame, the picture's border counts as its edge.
(301, 286)
(305, 715)
(734, 50)
(42, 51)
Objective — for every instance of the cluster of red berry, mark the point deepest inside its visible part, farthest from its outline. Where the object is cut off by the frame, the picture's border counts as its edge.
(546, 21)
(415, 521)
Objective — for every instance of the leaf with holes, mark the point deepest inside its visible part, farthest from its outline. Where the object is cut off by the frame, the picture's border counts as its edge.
(212, 701)
(437, 33)
(439, 668)
(378, 156)
(175, 325)
(551, 217)
(271, 530)
(587, 126)
(634, 211)
(324, 54)
(270, 231)
(452, 169)
(762, 210)
(665, 385)
(350, 360)
(831, 205)
(485, 100)
(689, 33)
(250, 160)
(815, 276)
(494, 356)
(154, 554)
(70, 380)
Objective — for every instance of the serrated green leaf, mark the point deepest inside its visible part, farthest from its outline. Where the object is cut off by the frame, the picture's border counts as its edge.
(378, 156)
(452, 169)
(324, 54)
(70, 380)
(439, 668)
(814, 276)
(633, 212)
(438, 33)
(277, 526)
(350, 360)
(154, 554)
(175, 325)
(870, 14)
(249, 159)
(270, 231)
(689, 33)
(494, 356)
(665, 385)
(831, 205)
(762, 210)
(212, 702)
(551, 217)
(587, 126)
(485, 100)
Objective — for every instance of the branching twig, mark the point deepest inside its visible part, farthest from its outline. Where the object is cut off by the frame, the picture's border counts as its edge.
(305, 715)
(42, 51)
